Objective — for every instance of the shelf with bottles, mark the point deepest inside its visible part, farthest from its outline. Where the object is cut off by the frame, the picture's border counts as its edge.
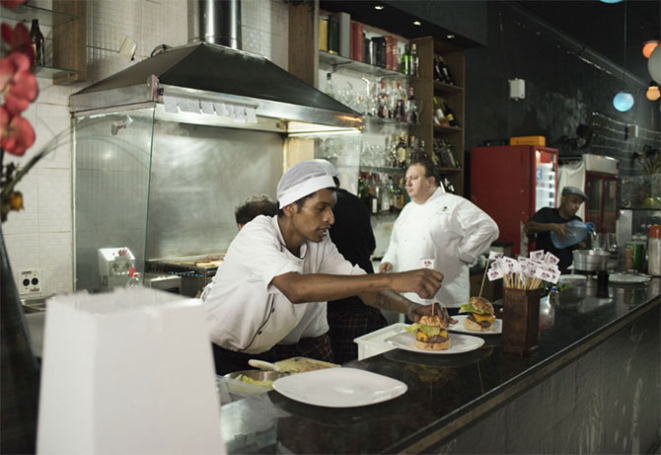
(387, 121)
(346, 63)
(447, 129)
(46, 17)
(382, 193)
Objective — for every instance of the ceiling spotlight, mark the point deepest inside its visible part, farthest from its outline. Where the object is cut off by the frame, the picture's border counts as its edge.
(378, 7)
(449, 36)
(418, 23)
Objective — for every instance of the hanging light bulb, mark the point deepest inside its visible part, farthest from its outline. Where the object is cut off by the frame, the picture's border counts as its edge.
(611, 1)
(623, 101)
(648, 47)
(653, 92)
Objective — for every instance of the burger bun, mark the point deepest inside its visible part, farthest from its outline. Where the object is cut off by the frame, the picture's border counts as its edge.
(433, 346)
(474, 326)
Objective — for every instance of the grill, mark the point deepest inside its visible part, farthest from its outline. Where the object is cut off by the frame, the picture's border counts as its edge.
(195, 273)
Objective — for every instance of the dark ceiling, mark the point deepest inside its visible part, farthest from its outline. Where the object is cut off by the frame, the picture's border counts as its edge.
(600, 26)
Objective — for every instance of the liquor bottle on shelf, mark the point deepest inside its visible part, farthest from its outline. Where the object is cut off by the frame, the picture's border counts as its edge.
(37, 43)
(415, 61)
(361, 187)
(385, 194)
(450, 116)
(383, 101)
(412, 108)
(442, 71)
(449, 187)
(393, 101)
(405, 61)
(402, 151)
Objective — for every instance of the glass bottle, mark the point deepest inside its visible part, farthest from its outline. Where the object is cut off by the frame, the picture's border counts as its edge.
(415, 61)
(329, 85)
(37, 43)
(405, 61)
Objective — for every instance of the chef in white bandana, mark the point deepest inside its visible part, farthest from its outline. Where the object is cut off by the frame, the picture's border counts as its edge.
(438, 228)
(269, 298)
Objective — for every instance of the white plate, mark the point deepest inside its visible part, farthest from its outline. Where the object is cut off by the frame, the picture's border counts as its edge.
(459, 343)
(572, 279)
(626, 278)
(339, 387)
(495, 329)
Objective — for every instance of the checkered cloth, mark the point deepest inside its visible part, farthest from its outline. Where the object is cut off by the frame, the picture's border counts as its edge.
(345, 326)
(318, 348)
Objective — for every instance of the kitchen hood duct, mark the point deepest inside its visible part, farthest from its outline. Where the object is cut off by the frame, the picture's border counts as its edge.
(215, 21)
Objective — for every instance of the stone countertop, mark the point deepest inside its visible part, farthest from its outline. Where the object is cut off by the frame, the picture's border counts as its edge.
(445, 392)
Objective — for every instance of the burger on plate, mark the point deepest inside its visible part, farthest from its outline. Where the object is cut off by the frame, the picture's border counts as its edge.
(431, 333)
(481, 315)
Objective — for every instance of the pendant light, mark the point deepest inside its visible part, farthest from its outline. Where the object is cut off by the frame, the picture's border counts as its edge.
(653, 92)
(623, 101)
(649, 46)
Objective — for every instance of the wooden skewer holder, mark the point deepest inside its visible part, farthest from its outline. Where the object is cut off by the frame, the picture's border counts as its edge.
(520, 320)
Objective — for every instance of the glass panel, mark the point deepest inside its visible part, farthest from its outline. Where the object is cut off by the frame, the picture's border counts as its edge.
(112, 158)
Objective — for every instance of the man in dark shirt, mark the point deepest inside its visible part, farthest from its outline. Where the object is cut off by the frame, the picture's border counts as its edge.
(548, 219)
(352, 235)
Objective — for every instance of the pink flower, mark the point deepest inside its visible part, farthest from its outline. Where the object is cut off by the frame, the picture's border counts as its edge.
(18, 40)
(16, 133)
(12, 3)
(17, 82)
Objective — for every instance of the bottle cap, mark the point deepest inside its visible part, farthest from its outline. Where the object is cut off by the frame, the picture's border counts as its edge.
(655, 231)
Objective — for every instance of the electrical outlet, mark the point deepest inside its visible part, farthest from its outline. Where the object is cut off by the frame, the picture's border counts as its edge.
(29, 282)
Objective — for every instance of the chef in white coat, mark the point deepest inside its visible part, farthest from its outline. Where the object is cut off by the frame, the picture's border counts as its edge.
(449, 230)
(269, 298)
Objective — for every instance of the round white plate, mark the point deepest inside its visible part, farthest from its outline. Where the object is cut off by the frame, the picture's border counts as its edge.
(459, 343)
(339, 387)
(495, 329)
(626, 278)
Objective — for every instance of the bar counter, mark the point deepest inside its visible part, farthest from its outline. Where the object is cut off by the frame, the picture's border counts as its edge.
(591, 386)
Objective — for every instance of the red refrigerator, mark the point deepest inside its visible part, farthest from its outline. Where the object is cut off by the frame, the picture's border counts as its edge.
(511, 183)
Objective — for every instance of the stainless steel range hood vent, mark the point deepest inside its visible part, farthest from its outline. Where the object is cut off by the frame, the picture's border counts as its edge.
(216, 74)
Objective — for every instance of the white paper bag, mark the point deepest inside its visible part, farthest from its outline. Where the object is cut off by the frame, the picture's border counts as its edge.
(127, 372)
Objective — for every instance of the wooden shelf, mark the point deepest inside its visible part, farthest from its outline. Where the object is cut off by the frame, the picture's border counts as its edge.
(385, 170)
(352, 65)
(387, 121)
(447, 129)
(449, 169)
(440, 87)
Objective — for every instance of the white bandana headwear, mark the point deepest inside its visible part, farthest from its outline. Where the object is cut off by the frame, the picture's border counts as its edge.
(303, 179)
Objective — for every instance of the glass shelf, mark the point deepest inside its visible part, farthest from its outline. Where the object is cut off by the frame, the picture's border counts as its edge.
(49, 72)
(446, 88)
(387, 121)
(386, 170)
(353, 65)
(447, 129)
(46, 17)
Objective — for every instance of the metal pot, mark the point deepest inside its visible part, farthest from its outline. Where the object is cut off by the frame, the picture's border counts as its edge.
(590, 260)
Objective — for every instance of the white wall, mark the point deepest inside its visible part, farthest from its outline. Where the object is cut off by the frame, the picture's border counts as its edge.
(41, 236)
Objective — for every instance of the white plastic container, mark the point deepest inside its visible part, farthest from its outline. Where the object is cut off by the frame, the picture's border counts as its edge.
(373, 343)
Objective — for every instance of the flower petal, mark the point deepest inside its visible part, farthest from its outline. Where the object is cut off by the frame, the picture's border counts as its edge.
(24, 86)
(12, 3)
(21, 136)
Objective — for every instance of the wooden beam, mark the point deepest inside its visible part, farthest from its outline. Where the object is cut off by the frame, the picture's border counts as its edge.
(70, 41)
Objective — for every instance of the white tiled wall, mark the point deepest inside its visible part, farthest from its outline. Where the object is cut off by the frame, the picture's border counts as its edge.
(41, 236)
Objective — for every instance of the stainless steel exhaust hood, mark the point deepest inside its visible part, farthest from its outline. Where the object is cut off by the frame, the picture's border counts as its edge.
(206, 72)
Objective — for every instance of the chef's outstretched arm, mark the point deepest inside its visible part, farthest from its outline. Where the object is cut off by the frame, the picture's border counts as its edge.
(319, 287)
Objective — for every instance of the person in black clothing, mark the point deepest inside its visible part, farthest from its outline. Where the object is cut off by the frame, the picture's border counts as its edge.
(549, 219)
(352, 235)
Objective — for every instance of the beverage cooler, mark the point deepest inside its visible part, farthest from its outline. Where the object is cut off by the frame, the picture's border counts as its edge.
(511, 183)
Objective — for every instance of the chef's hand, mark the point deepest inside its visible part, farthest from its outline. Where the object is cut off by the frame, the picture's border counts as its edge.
(385, 267)
(560, 230)
(418, 311)
(424, 282)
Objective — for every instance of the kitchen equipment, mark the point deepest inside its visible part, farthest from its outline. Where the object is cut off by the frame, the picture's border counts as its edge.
(195, 273)
(511, 183)
(576, 232)
(263, 365)
(590, 260)
(114, 265)
(638, 255)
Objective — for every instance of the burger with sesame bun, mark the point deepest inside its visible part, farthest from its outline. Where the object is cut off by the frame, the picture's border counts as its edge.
(481, 315)
(431, 333)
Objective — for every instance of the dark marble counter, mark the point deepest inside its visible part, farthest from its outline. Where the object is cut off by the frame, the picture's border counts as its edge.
(446, 393)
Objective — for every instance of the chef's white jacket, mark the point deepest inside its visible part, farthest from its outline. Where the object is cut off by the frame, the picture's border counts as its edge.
(245, 311)
(449, 229)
